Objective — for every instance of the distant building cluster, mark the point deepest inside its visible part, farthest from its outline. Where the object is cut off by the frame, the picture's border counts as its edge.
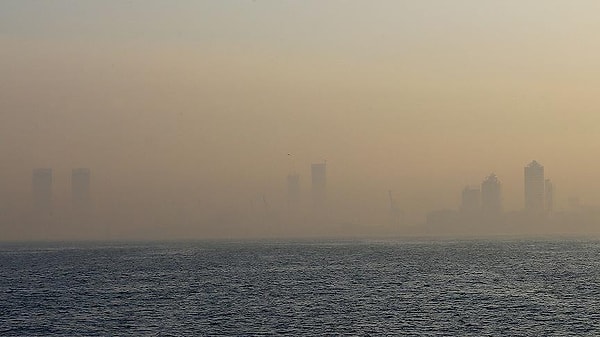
(483, 204)
(318, 191)
(481, 209)
(42, 182)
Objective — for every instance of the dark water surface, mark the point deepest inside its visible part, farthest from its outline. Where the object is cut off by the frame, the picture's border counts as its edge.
(409, 288)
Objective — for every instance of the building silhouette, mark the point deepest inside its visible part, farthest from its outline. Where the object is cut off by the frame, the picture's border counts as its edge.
(491, 195)
(470, 200)
(549, 195)
(319, 184)
(80, 189)
(41, 182)
(293, 189)
(534, 187)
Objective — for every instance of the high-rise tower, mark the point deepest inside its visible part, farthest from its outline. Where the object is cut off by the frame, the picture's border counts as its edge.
(534, 187)
(491, 195)
(319, 183)
(41, 182)
(549, 195)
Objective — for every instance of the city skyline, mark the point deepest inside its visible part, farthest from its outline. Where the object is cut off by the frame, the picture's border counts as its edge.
(196, 112)
(477, 207)
(488, 197)
(340, 167)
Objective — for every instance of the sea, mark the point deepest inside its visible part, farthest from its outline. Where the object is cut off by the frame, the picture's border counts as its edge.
(412, 287)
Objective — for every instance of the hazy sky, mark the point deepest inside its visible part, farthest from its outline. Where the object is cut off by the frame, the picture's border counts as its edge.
(422, 97)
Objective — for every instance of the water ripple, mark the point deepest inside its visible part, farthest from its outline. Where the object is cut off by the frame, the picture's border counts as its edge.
(470, 288)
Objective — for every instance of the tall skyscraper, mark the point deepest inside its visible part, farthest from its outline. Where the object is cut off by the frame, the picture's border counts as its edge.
(80, 189)
(293, 189)
(534, 187)
(549, 195)
(319, 183)
(471, 200)
(42, 190)
(491, 195)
